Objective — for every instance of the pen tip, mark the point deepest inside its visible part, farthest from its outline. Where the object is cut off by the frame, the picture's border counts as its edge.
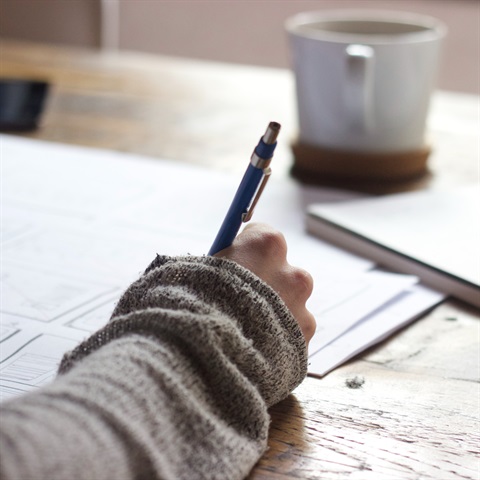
(271, 134)
(274, 126)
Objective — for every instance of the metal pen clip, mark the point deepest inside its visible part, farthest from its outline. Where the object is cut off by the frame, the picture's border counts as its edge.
(248, 214)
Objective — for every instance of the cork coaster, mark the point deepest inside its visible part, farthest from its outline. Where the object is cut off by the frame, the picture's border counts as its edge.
(316, 165)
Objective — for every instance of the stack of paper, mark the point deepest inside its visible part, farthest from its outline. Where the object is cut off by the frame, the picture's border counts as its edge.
(78, 225)
(433, 234)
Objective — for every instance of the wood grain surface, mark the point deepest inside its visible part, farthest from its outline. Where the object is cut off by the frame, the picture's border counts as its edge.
(406, 409)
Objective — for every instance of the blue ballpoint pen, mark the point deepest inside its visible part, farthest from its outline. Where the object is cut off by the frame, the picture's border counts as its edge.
(253, 182)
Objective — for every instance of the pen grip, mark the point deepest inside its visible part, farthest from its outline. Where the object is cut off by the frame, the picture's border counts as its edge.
(242, 200)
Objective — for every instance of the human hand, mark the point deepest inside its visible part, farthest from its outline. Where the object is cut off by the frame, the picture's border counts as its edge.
(263, 251)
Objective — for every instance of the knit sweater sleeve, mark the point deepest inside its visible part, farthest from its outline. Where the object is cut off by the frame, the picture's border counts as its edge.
(176, 386)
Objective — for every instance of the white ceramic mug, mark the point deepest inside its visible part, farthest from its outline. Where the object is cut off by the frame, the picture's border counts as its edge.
(364, 78)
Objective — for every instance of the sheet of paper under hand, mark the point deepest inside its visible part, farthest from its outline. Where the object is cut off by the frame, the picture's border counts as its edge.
(374, 328)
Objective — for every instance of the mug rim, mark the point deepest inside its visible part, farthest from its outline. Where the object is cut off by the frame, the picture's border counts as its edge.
(432, 28)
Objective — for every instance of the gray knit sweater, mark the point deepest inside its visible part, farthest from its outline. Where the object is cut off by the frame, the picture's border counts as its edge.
(176, 386)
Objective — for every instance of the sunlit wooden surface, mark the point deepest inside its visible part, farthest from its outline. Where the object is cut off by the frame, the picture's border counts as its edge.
(416, 415)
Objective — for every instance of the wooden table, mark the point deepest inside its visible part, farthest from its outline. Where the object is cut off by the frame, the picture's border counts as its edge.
(417, 414)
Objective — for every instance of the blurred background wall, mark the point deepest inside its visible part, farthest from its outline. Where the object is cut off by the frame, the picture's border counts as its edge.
(239, 31)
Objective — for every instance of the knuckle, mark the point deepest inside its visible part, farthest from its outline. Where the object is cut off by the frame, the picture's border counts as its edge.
(311, 325)
(273, 241)
(302, 280)
(307, 324)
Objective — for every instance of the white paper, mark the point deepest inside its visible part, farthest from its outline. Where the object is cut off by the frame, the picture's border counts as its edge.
(374, 328)
(341, 302)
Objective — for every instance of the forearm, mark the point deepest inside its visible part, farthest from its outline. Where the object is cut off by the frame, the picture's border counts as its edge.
(176, 386)
(139, 418)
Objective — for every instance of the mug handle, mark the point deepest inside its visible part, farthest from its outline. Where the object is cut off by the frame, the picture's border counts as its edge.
(359, 86)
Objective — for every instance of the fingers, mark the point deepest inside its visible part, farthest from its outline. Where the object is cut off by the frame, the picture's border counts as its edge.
(262, 241)
(301, 283)
(259, 248)
(297, 287)
(307, 323)
(263, 250)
